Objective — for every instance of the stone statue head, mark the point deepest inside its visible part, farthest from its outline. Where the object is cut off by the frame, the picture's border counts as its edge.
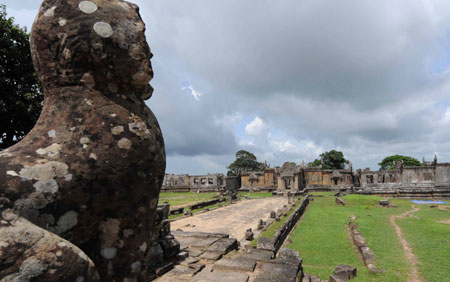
(99, 44)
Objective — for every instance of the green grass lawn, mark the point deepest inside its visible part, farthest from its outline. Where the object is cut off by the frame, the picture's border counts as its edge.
(430, 241)
(323, 243)
(255, 195)
(184, 198)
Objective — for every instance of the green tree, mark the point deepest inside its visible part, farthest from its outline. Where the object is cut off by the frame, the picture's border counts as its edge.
(331, 160)
(315, 163)
(20, 94)
(388, 162)
(245, 161)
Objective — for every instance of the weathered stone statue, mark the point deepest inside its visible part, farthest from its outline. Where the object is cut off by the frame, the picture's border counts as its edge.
(81, 189)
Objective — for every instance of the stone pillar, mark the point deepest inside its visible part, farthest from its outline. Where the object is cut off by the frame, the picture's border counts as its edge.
(91, 169)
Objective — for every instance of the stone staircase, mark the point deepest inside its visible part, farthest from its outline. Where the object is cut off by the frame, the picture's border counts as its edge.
(215, 257)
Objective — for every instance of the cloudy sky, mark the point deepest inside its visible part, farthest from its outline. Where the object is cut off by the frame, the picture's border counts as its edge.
(290, 79)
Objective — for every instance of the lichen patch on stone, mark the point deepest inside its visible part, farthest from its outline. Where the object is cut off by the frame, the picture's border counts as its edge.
(12, 173)
(103, 29)
(51, 133)
(108, 253)
(68, 177)
(50, 151)
(116, 130)
(140, 129)
(124, 143)
(143, 247)
(87, 7)
(50, 12)
(84, 140)
(44, 171)
(62, 21)
(66, 222)
(46, 186)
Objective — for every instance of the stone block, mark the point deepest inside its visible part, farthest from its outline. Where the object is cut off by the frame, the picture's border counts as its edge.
(181, 271)
(360, 241)
(209, 255)
(258, 255)
(345, 272)
(270, 277)
(289, 256)
(384, 203)
(249, 235)
(206, 276)
(189, 260)
(306, 277)
(204, 242)
(195, 252)
(269, 221)
(164, 268)
(223, 245)
(197, 266)
(267, 244)
(171, 247)
(182, 255)
(199, 234)
(280, 269)
(155, 255)
(334, 278)
(367, 254)
(239, 264)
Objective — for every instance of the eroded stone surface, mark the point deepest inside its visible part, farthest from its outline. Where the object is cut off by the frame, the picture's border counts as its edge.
(91, 169)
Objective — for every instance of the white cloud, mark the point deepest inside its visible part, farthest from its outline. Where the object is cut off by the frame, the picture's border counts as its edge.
(194, 92)
(256, 127)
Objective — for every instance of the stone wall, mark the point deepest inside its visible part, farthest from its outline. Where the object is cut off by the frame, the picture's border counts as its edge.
(201, 183)
(273, 244)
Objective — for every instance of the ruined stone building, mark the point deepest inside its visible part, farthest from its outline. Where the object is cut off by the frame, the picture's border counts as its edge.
(185, 182)
(433, 178)
(297, 177)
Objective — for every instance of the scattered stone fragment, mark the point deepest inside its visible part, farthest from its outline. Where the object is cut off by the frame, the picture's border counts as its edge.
(384, 203)
(249, 235)
(345, 272)
(182, 255)
(261, 224)
(340, 202)
(273, 214)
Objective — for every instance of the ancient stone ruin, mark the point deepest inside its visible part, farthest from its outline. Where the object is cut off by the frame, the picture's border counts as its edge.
(80, 191)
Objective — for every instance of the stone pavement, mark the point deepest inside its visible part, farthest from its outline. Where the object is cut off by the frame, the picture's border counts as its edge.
(233, 220)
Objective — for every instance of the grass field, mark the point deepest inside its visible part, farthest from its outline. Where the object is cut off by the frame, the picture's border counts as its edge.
(184, 198)
(323, 243)
(430, 241)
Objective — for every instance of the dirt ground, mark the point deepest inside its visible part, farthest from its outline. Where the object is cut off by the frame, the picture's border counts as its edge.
(414, 273)
(234, 219)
